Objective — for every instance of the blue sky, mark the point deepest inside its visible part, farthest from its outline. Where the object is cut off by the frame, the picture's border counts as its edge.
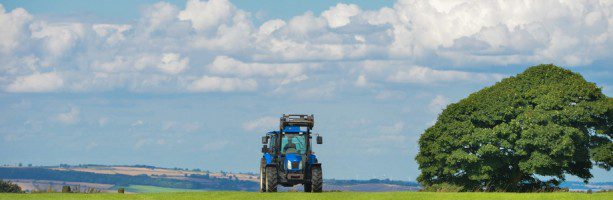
(196, 84)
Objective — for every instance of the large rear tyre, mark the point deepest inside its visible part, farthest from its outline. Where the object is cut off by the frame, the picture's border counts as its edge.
(316, 179)
(263, 175)
(271, 179)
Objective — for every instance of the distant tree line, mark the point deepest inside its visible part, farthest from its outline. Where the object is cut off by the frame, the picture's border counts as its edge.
(211, 183)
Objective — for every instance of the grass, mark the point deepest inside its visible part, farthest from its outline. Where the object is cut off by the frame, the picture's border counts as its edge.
(152, 189)
(326, 195)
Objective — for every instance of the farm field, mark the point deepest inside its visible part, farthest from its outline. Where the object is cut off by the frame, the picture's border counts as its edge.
(152, 189)
(326, 195)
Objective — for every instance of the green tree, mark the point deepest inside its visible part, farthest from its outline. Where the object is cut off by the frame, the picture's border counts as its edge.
(545, 122)
(8, 187)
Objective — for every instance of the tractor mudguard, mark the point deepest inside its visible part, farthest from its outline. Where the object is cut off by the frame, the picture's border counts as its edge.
(268, 158)
(312, 159)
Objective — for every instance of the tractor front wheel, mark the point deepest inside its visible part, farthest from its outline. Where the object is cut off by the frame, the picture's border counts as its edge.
(307, 187)
(316, 179)
(271, 179)
(263, 176)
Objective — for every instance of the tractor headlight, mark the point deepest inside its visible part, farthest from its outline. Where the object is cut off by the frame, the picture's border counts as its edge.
(289, 164)
(300, 165)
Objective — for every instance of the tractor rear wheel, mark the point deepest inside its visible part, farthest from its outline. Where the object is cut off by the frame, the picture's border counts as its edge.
(263, 175)
(271, 179)
(316, 179)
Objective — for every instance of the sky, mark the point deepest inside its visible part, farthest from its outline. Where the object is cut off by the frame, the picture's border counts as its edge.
(195, 84)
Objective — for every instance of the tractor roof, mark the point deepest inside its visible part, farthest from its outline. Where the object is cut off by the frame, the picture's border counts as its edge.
(296, 120)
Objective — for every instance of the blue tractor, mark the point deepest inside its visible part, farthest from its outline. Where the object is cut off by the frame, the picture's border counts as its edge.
(288, 158)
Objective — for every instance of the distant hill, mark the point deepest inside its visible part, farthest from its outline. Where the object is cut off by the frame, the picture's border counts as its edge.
(135, 178)
(128, 175)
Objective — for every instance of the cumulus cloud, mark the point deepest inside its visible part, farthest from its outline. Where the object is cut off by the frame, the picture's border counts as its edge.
(157, 17)
(111, 33)
(57, 39)
(424, 75)
(229, 66)
(70, 117)
(40, 82)
(340, 15)
(221, 84)
(271, 26)
(172, 63)
(390, 94)
(154, 52)
(12, 26)
(261, 124)
(437, 104)
(395, 128)
(361, 81)
(204, 15)
(139, 122)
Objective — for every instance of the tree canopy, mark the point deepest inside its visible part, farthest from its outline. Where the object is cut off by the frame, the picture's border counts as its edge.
(523, 133)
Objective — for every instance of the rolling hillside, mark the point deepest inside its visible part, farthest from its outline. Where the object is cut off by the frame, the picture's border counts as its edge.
(325, 195)
(147, 179)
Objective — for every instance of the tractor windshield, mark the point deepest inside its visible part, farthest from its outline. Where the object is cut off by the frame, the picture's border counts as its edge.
(293, 143)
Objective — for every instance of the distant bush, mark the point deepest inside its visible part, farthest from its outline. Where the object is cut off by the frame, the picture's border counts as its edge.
(92, 190)
(8, 187)
(443, 187)
(66, 189)
(121, 190)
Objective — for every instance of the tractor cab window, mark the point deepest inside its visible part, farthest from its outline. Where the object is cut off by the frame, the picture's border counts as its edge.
(293, 143)
(272, 142)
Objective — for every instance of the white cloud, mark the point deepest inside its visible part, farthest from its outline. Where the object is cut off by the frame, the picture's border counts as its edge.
(271, 26)
(207, 14)
(172, 63)
(153, 53)
(103, 121)
(340, 14)
(306, 24)
(12, 28)
(262, 124)
(321, 92)
(390, 94)
(361, 81)
(229, 66)
(40, 82)
(142, 142)
(157, 17)
(424, 75)
(70, 117)
(290, 79)
(438, 104)
(139, 122)
(57, 39)
(395, 128)
(111, 33)
(221, 84)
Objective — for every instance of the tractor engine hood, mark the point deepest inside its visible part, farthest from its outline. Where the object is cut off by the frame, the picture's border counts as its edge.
(293, 162)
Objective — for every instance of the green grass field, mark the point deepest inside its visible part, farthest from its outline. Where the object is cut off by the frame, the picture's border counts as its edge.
(152, 189)
(327, 195)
